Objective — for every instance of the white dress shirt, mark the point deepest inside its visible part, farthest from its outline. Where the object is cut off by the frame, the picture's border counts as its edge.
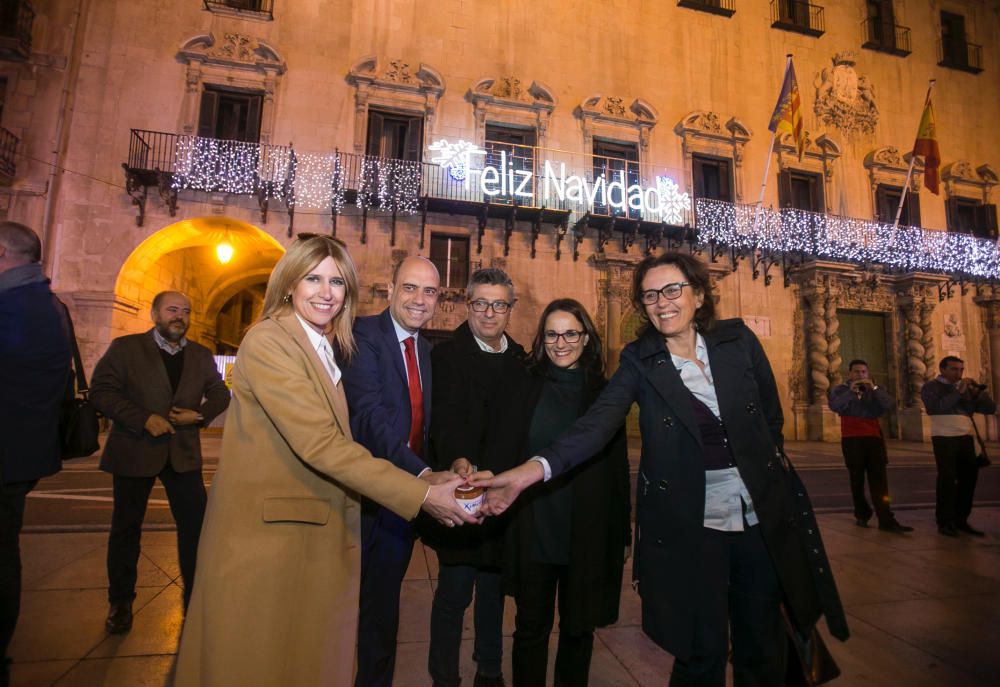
(323, 349)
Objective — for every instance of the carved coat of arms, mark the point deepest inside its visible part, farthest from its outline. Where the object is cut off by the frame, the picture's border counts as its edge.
(844, 98)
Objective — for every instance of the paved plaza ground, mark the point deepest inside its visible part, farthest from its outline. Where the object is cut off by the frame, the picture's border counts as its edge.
(924, 609)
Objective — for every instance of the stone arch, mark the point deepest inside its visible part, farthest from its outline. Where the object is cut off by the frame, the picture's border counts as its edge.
(181, 256)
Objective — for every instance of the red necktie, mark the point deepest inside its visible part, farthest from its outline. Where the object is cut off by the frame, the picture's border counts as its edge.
(416, 398)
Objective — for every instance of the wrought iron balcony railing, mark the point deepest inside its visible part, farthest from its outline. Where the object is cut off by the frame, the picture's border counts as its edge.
(621, 200)
(16, 18)
(8, 149)
(885, 37)
(798, 16)
(261, 8)
(726, 8)
(961, 55)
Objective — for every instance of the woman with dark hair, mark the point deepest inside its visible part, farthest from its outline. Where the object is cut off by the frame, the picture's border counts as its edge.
(567, 536)
(720, 543)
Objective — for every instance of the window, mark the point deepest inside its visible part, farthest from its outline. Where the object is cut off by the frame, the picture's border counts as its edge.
(800, 190)
(887, 203)
(970, 216)
(258, 7)
(726, 8)
(516, 146)
(450, 254)
(956, 50)
(394, 135)
(712, 178)
(230, 115)
(799, 16)
(611, 158)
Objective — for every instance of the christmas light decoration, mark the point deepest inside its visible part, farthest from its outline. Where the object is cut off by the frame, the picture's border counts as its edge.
(296, 178)
(910, 249)
(224, 252)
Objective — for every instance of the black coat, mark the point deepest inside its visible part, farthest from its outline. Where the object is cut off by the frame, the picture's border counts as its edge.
(600, 527)
(670, 499)
(477, 411)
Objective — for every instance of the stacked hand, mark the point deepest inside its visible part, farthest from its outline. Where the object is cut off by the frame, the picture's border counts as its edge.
(505, 487)
(440, 503)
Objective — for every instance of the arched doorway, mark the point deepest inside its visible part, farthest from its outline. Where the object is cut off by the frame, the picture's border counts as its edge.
(212, 259)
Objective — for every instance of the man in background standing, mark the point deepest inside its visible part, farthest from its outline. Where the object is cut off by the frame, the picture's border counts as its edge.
(34, 371)
(159, 389)
(860, 403)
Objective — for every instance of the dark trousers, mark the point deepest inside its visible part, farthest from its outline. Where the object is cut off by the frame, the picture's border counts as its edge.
(453, 595)
(187, 497)
(866, 456)
(957, 474)
(536, 599)
(741, 585)
(387, 545)
(12, 499)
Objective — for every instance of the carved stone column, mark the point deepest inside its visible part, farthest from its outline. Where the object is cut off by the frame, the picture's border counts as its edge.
(833, 333)
(916, 299)
(991, 319)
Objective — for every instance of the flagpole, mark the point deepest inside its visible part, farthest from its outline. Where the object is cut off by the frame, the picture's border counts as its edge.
(767, 162)
(913, 159)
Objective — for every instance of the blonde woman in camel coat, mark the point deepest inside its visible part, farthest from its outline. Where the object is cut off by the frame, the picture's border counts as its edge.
(276, 593)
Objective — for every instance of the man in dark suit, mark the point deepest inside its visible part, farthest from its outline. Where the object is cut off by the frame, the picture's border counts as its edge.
(34, 370)
(388, 388)
(159, 389)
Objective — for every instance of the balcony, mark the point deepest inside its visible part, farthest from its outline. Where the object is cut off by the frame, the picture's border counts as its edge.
(725, 8)
(630, 205)
(800, 17)
(8, 151)
(16, 18)
(259, 9)
(885, 37)
(960, 55)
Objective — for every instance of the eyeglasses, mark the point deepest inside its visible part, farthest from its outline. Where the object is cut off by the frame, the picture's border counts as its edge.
(570, 336)
(669, 291)
(305, 236)
(499, 307)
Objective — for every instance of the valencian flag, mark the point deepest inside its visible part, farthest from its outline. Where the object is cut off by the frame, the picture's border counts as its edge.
(926, 146)
(787, 114)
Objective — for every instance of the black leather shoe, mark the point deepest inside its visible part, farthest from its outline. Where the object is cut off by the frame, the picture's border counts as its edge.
(861, 522)
(969, 529)
(119, 617)
(483, 681)
(947, 530)
(894, 527)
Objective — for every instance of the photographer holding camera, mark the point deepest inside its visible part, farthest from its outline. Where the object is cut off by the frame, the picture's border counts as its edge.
(860, 402)
(951, 400)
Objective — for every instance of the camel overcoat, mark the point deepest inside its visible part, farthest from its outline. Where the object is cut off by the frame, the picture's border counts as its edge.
(276, 592)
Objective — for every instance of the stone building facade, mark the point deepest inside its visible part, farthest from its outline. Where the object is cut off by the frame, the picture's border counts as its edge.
(110, 92)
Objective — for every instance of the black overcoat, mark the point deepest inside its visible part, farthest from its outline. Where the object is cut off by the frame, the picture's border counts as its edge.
(600, 527)
(670, 498)
(477, 411)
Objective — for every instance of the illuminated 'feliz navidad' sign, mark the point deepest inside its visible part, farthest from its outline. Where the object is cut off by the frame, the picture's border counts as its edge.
(663, 202)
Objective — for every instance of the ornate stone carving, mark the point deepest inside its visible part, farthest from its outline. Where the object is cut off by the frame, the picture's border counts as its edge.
(927, 327)
(916, 368)
(844, 99)
(701, 132)
(798, 393)
(816, 344)
(960, 179)
(887, 166)
(504, 99)
(398, 71)
(601, 114)
(235, 47)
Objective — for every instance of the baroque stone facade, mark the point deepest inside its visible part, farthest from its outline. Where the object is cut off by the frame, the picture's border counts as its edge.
(321, 67)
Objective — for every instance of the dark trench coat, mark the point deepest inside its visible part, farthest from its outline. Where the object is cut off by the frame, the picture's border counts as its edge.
(670, 498)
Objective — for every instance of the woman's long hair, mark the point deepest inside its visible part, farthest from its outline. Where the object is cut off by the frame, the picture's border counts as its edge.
(300, 259)
(592, 359)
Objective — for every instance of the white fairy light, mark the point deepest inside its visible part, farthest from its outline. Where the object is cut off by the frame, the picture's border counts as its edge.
(912, 249)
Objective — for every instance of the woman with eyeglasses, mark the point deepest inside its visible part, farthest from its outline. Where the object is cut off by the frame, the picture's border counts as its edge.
(567, 537)
(276, 594)
(721, 543)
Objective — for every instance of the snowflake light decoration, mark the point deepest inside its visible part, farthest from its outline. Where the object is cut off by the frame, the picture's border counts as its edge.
(455, 157)
(674, 205)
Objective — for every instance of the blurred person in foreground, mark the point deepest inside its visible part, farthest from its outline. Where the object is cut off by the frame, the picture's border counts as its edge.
(567, 538)
(34, 370)
(719, 545)
(276, 598)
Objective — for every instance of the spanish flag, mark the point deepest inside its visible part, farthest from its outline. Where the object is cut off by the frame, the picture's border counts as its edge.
(787, 114)
(926, 146)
